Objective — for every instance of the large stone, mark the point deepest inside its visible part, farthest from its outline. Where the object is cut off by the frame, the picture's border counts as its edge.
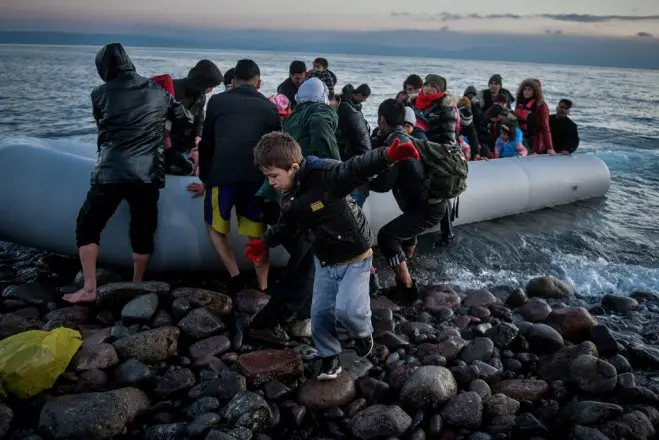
(215, 302)
(503, 334)
(75, 314)
(604, 341)
(118, 294)
(98, 356)
(557, 365)
(544, 339)
(261, 366)
(11, 325)
(619, 304)
(31, 293)
(429, 387)
(464, 411)
(212, 346)
(549, 287)
(132, 372)
(593, 375)
(140, 309)
(522, 389)
(574, 323)
(585, 433)
(535, 310)
(375, 391)
(499, 405)
(633, 425)
(440, 297)
(588, 412)
(174, 380)
(318, 395)
(449, 348)
(380, 421)
(480, 349)
(251, 301)
(479, 298)
(150, 346)
(169, 431)
(249, 410)
(646, 355)
(92, 416)
(200, 324)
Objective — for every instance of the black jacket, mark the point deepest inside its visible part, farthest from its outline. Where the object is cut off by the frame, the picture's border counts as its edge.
(130, 112)
(353, 135)
(469, 129)
(288, 89)
(564, 134)
(407, 179)
(442, 119)
(321, 204)
(235, 122)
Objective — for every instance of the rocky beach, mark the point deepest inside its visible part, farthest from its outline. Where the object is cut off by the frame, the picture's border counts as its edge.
(512, 362)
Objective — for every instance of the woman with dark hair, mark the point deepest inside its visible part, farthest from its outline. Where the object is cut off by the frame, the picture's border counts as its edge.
(533, 115)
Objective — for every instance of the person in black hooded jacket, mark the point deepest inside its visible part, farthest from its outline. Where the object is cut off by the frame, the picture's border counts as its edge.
(191, 91)
(130, 113)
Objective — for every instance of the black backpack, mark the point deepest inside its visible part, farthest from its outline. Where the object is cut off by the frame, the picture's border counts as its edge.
(447, 168)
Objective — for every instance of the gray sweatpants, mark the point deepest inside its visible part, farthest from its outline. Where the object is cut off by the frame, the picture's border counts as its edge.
(340, 292)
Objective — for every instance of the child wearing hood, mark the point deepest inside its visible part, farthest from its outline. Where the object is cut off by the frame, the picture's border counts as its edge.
(510, 141)
(436, 111)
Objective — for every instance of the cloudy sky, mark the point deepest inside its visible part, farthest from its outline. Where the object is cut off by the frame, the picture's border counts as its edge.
(577, 17)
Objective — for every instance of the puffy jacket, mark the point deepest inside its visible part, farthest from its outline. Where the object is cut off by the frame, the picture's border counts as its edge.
(235, 122)
(512, 148)
(407, 179)
(288, 89)
(313, 125)
(320, 203)
(469, 129)
(442, 119)
(353, 135)
(130, 113)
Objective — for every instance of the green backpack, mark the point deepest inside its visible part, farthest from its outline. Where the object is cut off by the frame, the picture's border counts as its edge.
(447, 167)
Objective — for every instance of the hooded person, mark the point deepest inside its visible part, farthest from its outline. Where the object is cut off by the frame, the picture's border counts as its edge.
(313, 123)
(469, 130)
(533, 115)
(436, 112)
(130, 113)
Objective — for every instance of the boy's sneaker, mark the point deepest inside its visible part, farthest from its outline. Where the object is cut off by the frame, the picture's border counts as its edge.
(330, 368)
(364, 346)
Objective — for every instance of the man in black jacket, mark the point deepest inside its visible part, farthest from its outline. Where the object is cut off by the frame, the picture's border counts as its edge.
(235, 122)
(409, 181)
(130, 113)
(564, 131)
(297, 73)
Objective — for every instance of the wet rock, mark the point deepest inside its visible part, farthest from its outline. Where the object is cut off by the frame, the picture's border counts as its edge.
(480, 312)
(604, 340)
(96, 336)
(301, 329)
(593, 375)
(251, 301)
(557, 365)
(440, 297)
(500, 405)
(161, 319)
(480, 349)
(391, 340)
(464, 411)
(201, 406)
(435, 426)
(375, 391)
(118, 294)
(626, 380)
(322, 395)
(140, 309)
(544, 339)
(261, 366)
(429, 387)
(480, 387)
(13, 324)
(479, 298)
(212, 346)
(121, 331)
(448, 349)
(503, 334)
(588, 412)
(249, 410)
(380, 421)
(586, 433)
(202, 424)
(487, 372)
(174, 380)
(215, 302)
(501, 312)
(275, 390)
(382, 302)
(522, 389)
(549, 287)
(99, 356)
(528, 426)
(573, 323)
(7, 273)
(31, 293)
(92, 416)
(77, 314)
(619, 304)
(181, 307)
(620, 363)
(150, 346)
(517, 298)
(132, 372)
(648, 356)
(229, 384)
(535, 310)
(172, 431)
(634, 425)
(200, 324)
(6, 417)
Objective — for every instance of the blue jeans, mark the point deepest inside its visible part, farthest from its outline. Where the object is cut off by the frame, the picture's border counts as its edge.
(340, 292)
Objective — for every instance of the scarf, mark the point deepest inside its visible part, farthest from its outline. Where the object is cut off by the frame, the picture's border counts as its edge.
(424, 101)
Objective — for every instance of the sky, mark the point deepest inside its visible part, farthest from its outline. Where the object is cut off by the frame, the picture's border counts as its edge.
(626, 18)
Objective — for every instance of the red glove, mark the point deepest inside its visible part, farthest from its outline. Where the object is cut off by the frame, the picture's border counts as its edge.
(255, 250)
(398, 151)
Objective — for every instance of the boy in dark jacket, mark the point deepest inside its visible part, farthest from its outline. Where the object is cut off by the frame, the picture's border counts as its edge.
(315, 197)
(130, 113)
(436, 111)
(409, 181)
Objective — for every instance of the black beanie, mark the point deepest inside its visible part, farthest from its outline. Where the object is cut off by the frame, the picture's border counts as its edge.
(497, 79)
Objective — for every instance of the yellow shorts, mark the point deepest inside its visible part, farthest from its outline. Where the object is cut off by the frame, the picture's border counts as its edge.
(219, 201)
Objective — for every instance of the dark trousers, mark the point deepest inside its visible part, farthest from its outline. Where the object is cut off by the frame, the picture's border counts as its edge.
(102, 202)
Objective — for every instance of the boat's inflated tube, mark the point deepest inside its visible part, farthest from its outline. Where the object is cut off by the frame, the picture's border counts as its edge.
(44, 182)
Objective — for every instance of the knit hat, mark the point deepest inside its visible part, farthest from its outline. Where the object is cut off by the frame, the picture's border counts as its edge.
(282, 103)
(497, 79)
(437, 81)
(410, 117)
(312, 90)
(471, 90)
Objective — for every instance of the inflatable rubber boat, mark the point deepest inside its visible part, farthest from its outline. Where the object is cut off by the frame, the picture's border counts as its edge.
(43, 183)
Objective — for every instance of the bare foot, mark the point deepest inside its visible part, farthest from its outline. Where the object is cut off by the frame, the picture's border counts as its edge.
(81, 296)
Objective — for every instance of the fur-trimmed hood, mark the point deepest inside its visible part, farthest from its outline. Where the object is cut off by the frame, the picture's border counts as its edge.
(537, 90)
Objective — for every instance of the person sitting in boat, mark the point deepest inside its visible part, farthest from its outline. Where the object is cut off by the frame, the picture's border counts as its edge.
(412, 86)
(469, 131)
(130, 113)
(191, 91)
(480, 119)
(228, 79)
(282, 104)
(315, 197)
(297, 73)
(408, 180)
(510, 141)
(564, 131)
(533, 115)
(321, 71)
(235, 122)
(486, 97)
(496, 116)
(436, 111)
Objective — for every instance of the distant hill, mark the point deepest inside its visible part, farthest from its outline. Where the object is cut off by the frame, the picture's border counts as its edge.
(555, 49)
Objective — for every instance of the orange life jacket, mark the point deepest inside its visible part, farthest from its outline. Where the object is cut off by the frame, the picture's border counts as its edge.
(523, 111)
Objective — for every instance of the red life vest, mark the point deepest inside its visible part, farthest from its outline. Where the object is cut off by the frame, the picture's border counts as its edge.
(165, 81)
(522, 111)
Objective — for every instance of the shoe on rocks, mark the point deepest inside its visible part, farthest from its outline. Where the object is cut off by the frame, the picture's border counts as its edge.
(330, 368)
(364, 346)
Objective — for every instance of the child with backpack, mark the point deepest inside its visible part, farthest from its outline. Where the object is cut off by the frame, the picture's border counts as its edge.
(422, 189)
